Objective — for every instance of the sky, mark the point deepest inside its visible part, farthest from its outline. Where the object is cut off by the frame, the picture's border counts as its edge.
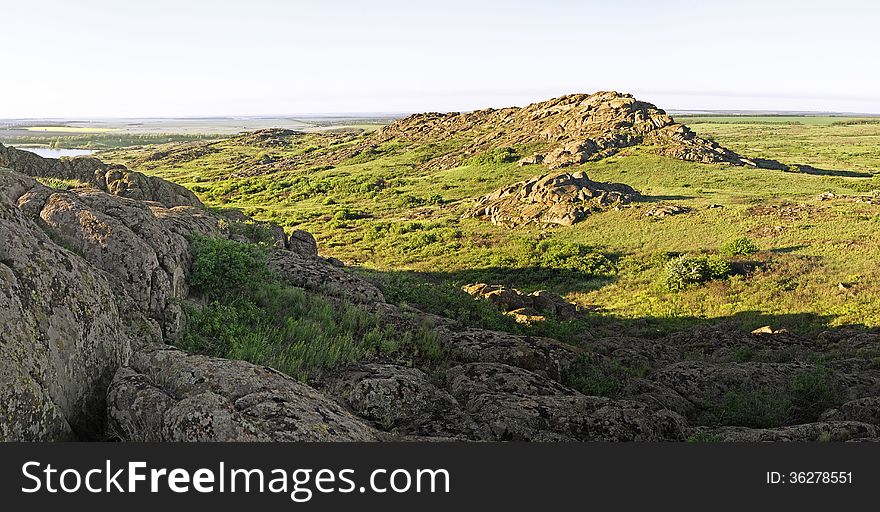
(106, 58)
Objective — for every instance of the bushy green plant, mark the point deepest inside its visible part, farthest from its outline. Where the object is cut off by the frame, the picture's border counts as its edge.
(497, 156)
(571, 256)
(756, 408)
(743, 246)
(811, 393)
(223, 268)
(688, 269)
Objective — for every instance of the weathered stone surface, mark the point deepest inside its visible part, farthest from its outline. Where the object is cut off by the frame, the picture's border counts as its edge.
(317, 275)
(402, 400)
(542, 302)
(468, 381)
(865, 410)
(551, 199)
(113, 179)
(540, 355)
(515, 417)
(707, 384)
(62, 336)
(302, 243)
(818, 431)
(210, 399)
(571, 129)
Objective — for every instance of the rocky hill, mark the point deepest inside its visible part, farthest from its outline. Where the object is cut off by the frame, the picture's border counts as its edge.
(563, 131)
(93, 276)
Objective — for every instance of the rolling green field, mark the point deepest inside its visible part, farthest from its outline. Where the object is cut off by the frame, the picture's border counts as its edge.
(817, 264)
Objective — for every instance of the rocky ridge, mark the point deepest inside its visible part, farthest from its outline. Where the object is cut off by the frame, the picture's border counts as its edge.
(565, 131)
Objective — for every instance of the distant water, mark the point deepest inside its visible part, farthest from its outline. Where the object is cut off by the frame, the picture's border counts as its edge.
(57, 152)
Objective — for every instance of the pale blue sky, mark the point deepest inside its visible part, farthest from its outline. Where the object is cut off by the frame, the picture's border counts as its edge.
(100, 58)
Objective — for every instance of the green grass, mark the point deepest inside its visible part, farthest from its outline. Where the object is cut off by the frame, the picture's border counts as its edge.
(245, 313)
(383, 211)
(61, 183)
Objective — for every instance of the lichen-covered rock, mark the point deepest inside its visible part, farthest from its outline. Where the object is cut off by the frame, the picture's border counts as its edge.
(569, 130)
(317, 275)
(474, 379)
(865, 410)
(544, 356)
(211, 399)
(551, 199)
(110, 178)
(516, 417)
(543, 302)
(302, 243)
(807, 432)
(402, 400)
(62, 336)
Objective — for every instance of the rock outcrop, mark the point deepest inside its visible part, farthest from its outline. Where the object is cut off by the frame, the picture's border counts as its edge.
(113, 179)
(551, 199)
(524, 307)
(167, 395)
(568, 130)
(92, 277)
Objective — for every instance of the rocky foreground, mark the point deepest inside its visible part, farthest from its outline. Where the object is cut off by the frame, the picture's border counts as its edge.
(91, 285)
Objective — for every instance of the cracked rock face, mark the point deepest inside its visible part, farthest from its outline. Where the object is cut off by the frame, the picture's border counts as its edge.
(168, 395)
(61, 337)
(89, 277)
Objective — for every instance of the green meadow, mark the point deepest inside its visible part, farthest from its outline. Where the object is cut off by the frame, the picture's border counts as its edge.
(816, 263)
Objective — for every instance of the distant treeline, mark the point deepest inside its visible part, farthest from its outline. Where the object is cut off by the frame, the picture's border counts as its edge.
(99, 141)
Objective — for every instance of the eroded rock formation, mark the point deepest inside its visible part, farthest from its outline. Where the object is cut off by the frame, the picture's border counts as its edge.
(552, 199)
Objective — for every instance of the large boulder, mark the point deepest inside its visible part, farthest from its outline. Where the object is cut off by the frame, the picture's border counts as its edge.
(403, 400)
(551, 199)
(62, 336)
(168, 395)
(110, 178)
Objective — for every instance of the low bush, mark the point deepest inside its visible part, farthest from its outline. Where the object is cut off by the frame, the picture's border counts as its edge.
(571, 256)
(687, 270)
(740, 247)
(223, 269)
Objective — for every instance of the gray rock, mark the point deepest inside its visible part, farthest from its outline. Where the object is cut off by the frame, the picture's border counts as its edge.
(62, 335)
(544, 356)
(402, 400)
(316, 275)
(199, 398)
(818, 431)
(551, 199)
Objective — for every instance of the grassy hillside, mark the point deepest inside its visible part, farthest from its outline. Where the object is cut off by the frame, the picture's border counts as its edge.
(817, 264)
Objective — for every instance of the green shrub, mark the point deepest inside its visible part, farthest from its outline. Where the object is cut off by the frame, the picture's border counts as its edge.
(497, 156)
(62, 184)
(701, 436)
(591, 379)
(755, 408)
(687, 270)
(571, 256)
(741, 246)
(811, 394)
(256, 232)
(223, 269)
